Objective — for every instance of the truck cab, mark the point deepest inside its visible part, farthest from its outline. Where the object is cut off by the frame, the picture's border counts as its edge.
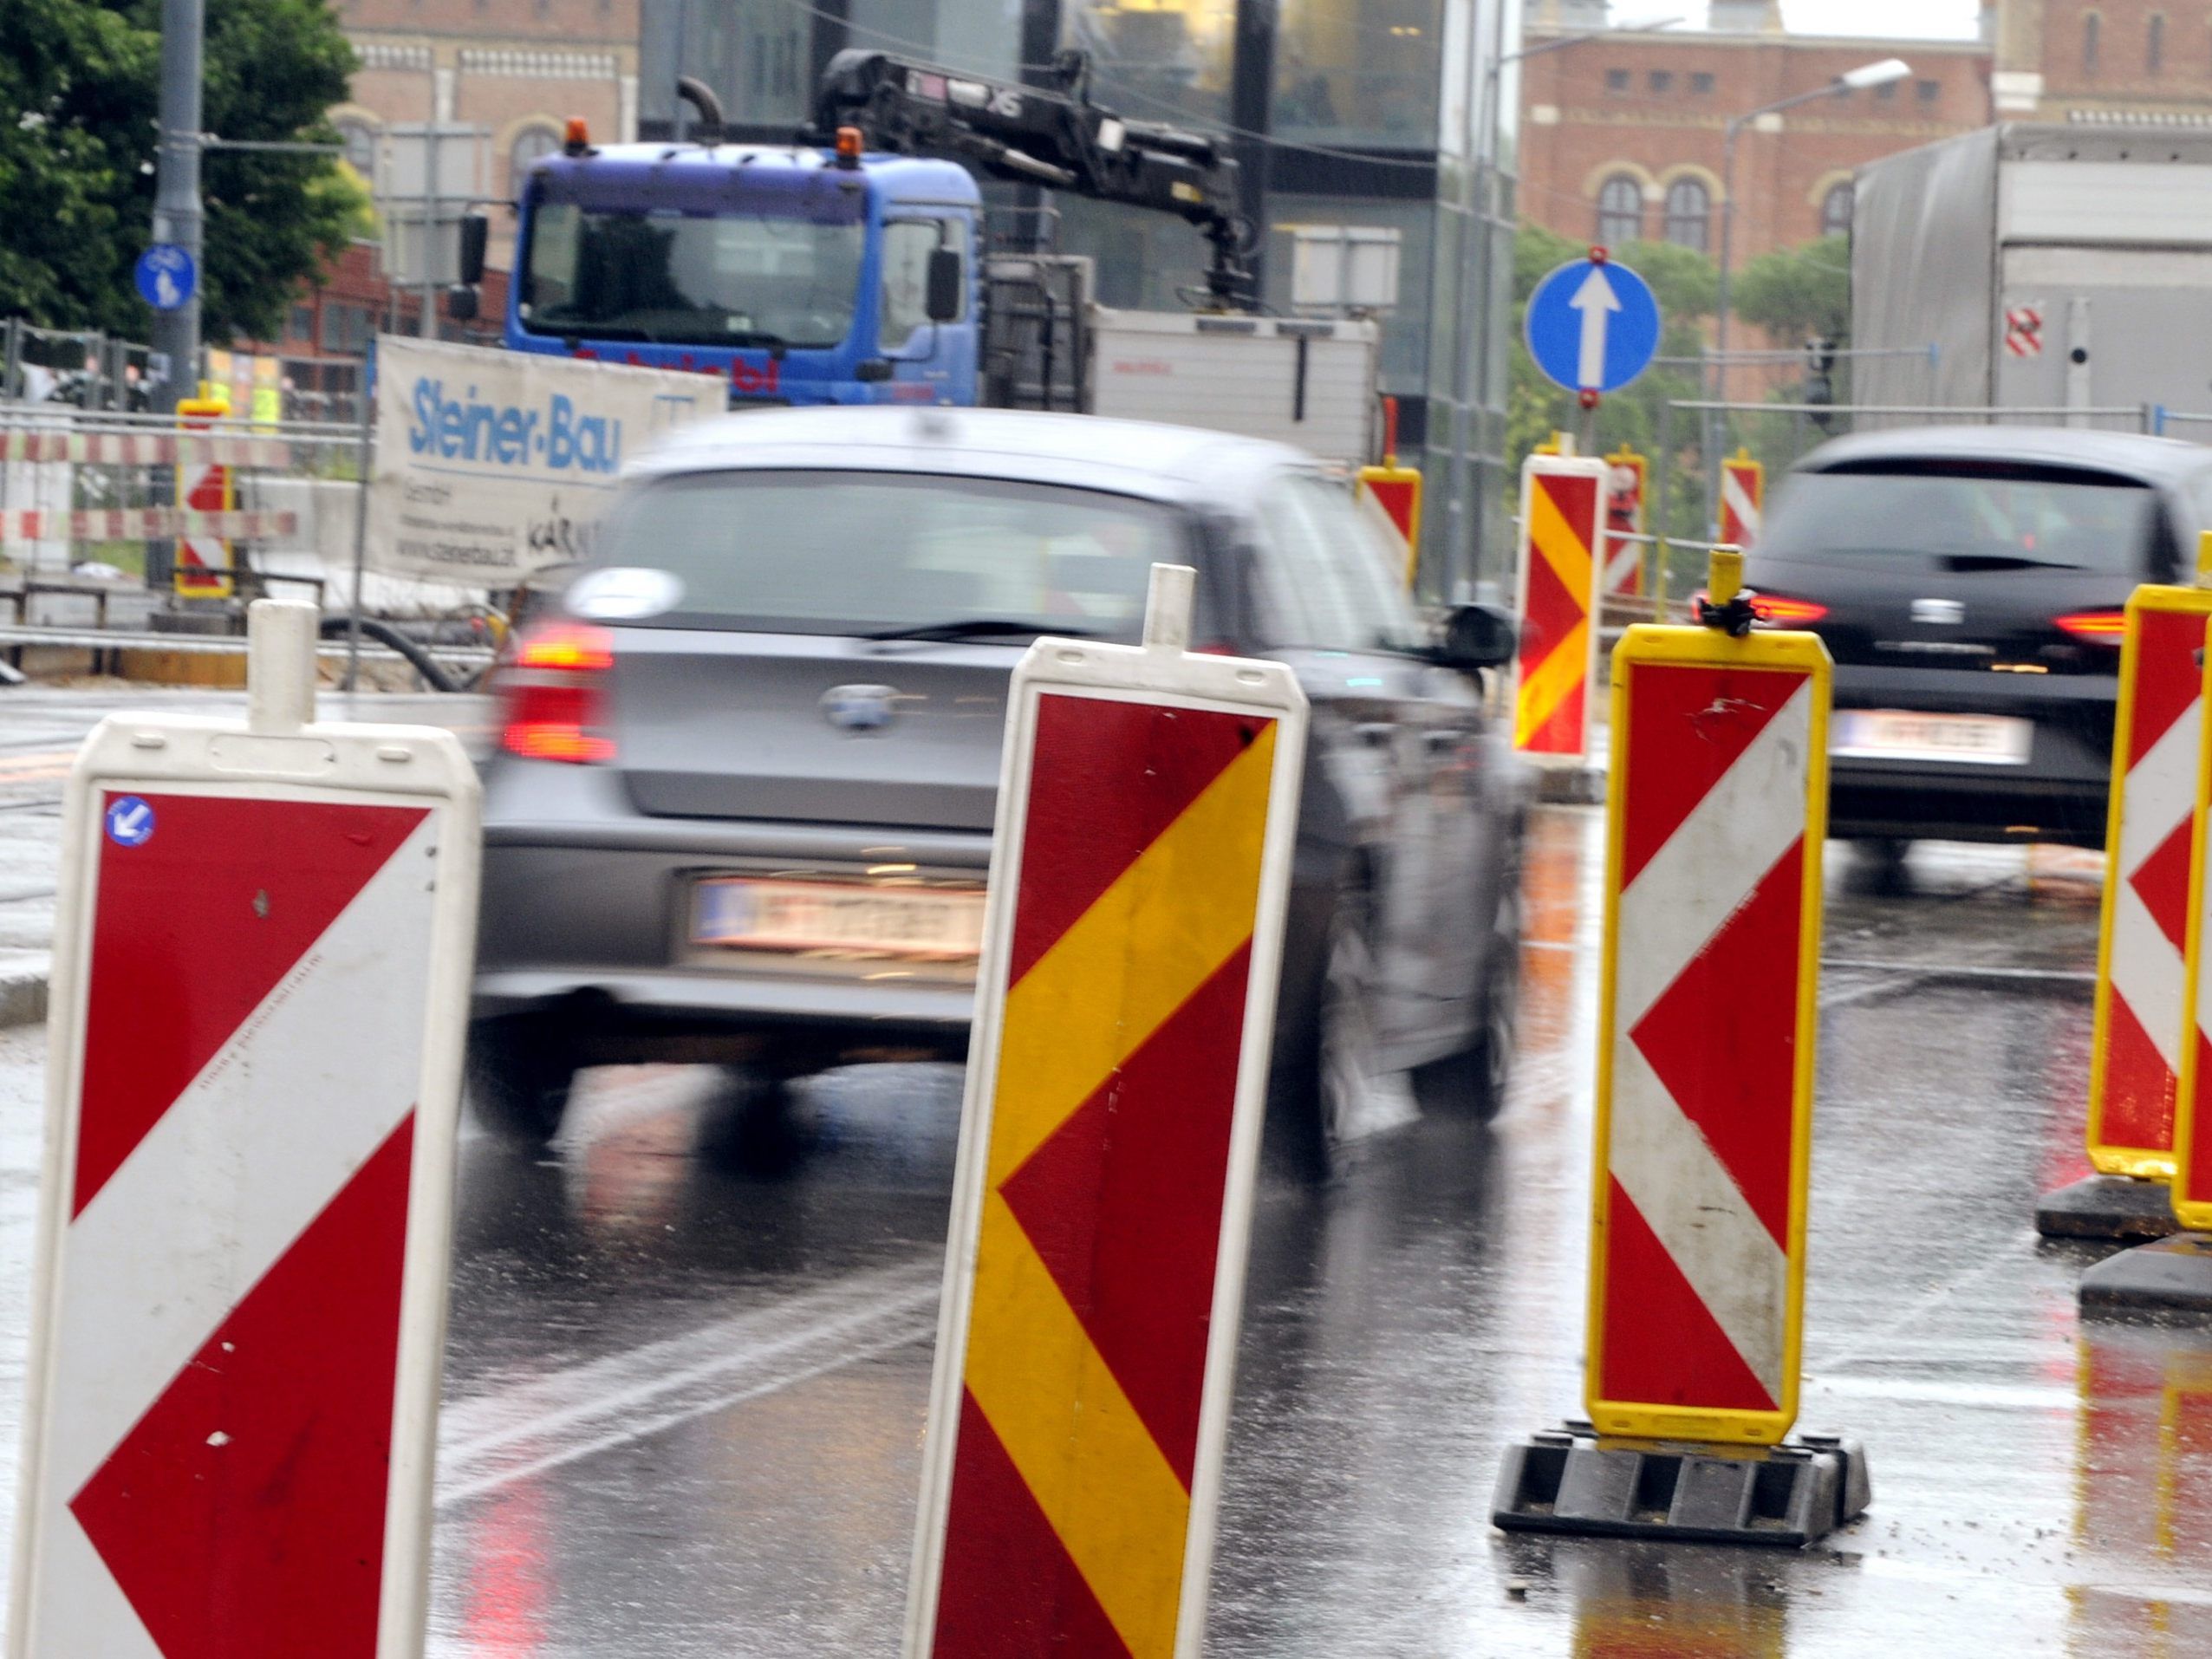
(798, 275)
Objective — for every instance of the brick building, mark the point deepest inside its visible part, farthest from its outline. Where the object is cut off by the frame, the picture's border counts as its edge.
(1622, 136)
(2133, 61)
(516, 69)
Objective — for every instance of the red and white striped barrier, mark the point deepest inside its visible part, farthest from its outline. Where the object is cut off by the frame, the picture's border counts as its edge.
(1624, 490)
(144, 449)
(261, 966)
(1716, 810)
(2142, 1022)
(1743, 499)
(142, 525)
(2141, 1032)
(1705, 1063)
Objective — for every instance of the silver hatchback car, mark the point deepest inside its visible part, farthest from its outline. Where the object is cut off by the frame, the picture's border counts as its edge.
(742, 807)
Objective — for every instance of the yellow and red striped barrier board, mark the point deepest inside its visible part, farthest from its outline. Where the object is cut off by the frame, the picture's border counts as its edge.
(1716, 808)
(2142, 1023)
(1562, 508)
(1116, 1083)
(1396, 490)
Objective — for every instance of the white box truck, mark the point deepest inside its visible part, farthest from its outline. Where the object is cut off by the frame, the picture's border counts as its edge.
(2050, 267)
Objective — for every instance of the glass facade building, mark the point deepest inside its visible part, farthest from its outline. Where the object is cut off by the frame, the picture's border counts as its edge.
(1398, 114)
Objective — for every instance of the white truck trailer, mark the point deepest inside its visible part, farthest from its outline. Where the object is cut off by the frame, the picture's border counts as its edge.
(2050, 267)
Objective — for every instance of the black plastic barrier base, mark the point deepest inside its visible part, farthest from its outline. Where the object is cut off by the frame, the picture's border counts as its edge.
(1571, 786)
(2170, 1279)
(1569, 1480)
(2106, 1207)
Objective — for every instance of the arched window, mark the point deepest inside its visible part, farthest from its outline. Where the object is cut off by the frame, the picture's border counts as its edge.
(1836, 210)
(2092, 27)
(1689, 212)
(360, 140)
(530, 144)
(2154, 43)
(1620, 211)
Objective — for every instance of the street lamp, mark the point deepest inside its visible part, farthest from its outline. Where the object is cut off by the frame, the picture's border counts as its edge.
(1867, 75)
(1486, 221)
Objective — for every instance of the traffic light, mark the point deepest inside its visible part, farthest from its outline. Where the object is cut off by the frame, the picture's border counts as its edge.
(1820, 384)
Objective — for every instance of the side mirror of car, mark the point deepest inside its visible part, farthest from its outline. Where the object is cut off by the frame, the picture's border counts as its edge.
(461, 302)
(941, 300)
(476, 239)
(1476, 637)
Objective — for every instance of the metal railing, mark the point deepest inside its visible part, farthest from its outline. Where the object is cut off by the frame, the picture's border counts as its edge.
(96, 493)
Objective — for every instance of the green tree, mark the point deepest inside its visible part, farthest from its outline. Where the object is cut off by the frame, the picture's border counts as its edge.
(79, 98)
(1799, 294)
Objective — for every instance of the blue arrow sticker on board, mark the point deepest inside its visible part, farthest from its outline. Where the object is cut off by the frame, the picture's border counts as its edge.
(130, 821)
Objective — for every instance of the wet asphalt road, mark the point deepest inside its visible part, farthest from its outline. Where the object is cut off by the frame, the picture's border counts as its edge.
(685, 1404)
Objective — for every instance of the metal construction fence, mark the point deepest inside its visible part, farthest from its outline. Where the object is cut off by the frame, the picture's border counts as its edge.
(94, 504)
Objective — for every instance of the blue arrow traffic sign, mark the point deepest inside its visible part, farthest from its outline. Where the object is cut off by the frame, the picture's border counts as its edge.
(166, 276)
(1593, 326)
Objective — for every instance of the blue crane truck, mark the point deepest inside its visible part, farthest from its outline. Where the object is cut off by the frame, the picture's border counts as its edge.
(851, 266)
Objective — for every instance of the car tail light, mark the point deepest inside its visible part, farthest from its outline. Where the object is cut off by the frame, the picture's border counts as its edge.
(554, 697)
(2099, 627)
(1778, 610)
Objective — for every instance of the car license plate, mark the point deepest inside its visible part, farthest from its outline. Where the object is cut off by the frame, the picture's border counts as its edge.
(945, 924)
(1898, 734)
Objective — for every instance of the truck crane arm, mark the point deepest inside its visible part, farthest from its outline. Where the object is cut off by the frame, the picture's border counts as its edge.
(1050, 135)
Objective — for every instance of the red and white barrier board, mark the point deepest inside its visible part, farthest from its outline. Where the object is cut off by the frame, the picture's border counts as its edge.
(1624, 490)
(2142, 1018)
(1148, 808)
(1717, 806)
(260, 983)
(2189, 1164)
(1743, 499)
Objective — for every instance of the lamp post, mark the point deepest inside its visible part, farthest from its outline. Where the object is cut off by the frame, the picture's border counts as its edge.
(1867, 75)
(1486, 220)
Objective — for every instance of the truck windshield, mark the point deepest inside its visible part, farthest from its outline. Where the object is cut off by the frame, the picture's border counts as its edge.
(1967, 515)
(748, 279)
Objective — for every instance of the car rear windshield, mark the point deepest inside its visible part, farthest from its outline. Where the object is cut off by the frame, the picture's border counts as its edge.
(850, 553)
(1961, 518)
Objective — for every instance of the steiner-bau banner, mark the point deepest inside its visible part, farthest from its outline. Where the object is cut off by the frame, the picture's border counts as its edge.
(490, 465)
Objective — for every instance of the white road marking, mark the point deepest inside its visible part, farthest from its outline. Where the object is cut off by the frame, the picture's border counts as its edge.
(488, 1441)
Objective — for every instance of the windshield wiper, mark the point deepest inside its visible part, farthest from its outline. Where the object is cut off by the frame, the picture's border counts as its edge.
(760, 337)
(981, 628)
(1965, 563)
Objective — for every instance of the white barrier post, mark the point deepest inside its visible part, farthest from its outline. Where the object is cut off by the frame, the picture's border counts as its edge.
(260, 982)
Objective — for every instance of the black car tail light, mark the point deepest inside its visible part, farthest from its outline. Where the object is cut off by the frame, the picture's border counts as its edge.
(1780, 610)
(553, 695)
(2099, 627)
